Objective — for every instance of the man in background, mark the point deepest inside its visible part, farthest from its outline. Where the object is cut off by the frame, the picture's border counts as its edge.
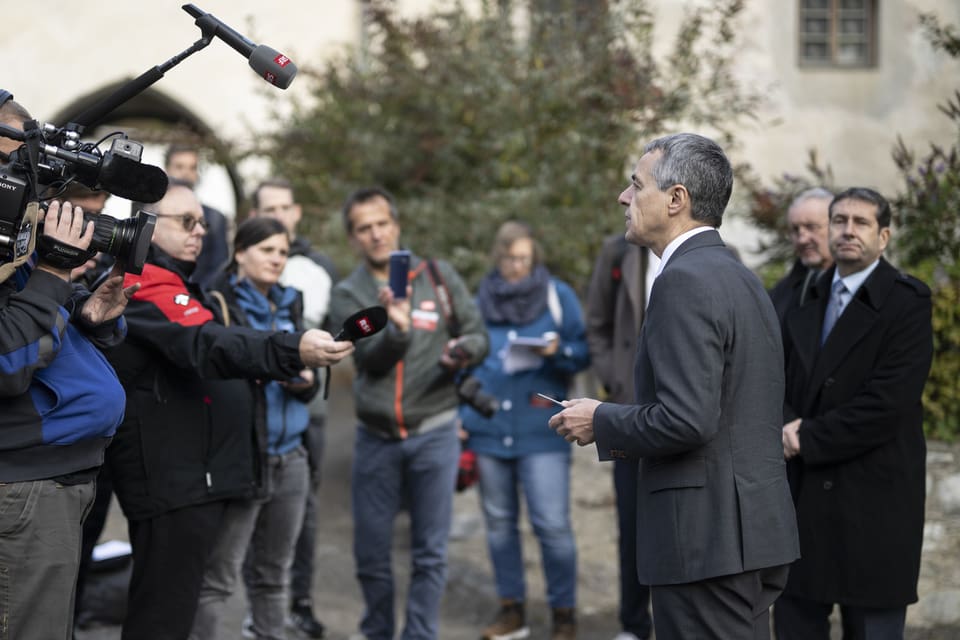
(807, 221)
(313, 274)
(407, 447)
(183, 163)
(857, 358)
(616, 304)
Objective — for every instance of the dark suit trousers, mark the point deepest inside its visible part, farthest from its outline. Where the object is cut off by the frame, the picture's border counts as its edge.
(802, 619)
(735, 607)
(634, 597)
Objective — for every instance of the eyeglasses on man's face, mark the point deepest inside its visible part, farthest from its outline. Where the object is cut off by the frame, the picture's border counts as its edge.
(188, 221)
(522, 261)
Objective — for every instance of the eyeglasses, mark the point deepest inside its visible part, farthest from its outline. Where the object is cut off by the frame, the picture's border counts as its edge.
(188, 221)
(518, 260)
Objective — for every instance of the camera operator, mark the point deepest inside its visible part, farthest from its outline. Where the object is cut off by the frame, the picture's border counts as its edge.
(193, 438)
(61, 403)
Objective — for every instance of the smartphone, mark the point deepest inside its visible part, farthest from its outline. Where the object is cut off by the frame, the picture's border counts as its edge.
(553, 400)
(399, 271)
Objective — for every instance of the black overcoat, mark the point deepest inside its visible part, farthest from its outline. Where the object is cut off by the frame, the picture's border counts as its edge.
(859, 482)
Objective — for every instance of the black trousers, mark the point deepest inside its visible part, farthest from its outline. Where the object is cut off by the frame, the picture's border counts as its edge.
(734, 607)
(634, 597)
(802, 619)
(169, 556)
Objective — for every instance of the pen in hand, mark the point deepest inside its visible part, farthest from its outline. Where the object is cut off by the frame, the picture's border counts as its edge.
(553, 400)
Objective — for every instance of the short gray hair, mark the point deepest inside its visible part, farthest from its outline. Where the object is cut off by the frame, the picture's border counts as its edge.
(699, 164)
(814, 193)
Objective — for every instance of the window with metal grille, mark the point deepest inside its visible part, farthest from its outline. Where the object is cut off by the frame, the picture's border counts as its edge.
(837, 33)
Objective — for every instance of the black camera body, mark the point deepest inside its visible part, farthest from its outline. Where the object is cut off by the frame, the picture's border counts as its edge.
(41, 175)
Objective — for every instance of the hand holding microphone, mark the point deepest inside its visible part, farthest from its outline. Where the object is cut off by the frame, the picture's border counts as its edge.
(319, 349)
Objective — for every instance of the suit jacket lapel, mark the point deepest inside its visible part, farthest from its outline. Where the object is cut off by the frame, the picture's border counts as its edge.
(856, 321)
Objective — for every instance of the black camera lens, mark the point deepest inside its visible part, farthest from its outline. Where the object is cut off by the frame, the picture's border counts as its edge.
(127, 240)
(470, 392)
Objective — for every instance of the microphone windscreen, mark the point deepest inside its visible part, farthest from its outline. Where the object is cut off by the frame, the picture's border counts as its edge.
(273, 66)
(131, 179)
(363, 324)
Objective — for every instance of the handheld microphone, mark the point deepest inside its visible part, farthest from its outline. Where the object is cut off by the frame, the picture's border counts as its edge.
(363, 324)
(270, 64)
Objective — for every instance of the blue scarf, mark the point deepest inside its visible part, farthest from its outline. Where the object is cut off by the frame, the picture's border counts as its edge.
(271, 312)
(514, 303)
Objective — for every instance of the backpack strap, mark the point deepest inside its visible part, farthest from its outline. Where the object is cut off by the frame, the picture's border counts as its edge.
(222, 302)
(443, 297)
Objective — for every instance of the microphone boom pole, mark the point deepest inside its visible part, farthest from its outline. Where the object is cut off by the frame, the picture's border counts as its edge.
(94, 114)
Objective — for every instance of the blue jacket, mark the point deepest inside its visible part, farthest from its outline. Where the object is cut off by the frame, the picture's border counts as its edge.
(287, 412)
(520, 426)
(60, 401)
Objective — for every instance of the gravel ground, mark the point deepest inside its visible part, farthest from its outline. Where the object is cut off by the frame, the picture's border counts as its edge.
(470, 600)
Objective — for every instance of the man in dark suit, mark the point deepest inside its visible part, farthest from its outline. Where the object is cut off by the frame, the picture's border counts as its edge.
(616, 304)
(717, 525)
(807, 219)
(857, 355)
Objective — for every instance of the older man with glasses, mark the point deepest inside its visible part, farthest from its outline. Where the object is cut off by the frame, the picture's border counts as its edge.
(188, 442)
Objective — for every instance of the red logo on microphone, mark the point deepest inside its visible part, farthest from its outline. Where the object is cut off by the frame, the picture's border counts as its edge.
(364, 325)
(281, 60)
(269, 77)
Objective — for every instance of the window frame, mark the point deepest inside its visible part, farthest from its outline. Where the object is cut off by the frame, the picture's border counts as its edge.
(834, 38)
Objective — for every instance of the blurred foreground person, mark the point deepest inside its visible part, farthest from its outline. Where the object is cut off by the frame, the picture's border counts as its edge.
(268, 523)
(407, 449)
(516, 450)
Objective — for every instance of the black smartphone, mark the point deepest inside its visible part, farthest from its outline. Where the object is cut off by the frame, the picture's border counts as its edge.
(399, 272)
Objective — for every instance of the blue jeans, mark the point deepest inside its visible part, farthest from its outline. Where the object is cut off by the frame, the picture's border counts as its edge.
(269, 527)
(40, 525)
(545, 480)
(419, 473)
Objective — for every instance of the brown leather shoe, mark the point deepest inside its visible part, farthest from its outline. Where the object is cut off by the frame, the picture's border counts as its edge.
(510, 623)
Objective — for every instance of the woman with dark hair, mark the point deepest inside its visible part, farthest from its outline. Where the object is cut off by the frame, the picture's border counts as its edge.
(537, 343)
(267, 525)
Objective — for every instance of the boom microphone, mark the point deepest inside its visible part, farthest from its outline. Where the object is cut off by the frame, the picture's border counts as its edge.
(363, 324)
(270, 64)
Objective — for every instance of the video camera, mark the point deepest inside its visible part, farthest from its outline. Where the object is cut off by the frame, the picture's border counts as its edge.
(53, 157)
(50, 159)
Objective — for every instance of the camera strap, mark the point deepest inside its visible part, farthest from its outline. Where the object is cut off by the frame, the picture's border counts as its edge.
(443, 297)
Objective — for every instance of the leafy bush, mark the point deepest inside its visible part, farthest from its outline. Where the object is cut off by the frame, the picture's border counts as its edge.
(474, 119)
(928, 244)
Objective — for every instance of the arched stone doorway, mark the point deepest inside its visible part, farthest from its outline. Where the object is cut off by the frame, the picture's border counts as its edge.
(157, 120)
